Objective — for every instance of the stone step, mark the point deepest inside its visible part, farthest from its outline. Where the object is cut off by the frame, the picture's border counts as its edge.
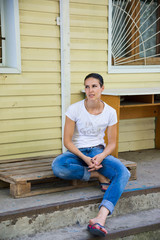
(68, 212)
(133, 226)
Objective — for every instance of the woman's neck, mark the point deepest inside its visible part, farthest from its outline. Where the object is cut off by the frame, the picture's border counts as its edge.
(94, 107)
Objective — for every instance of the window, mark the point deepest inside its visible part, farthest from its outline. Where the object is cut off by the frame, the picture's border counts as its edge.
(10, 60)
(134, 36)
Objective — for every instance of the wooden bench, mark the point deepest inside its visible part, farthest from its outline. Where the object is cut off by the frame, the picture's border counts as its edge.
(34, 176)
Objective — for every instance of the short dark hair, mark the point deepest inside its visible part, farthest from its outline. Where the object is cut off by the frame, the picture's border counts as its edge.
(97, 76)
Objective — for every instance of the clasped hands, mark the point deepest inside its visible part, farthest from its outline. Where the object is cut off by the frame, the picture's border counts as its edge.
(95, 163)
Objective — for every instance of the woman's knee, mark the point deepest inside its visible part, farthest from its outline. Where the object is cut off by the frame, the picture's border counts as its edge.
(57, 165)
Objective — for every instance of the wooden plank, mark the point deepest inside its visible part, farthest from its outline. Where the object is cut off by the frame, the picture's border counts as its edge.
(140, 124)
(138, 112)
(29, 124)
(57, 189)
(88, 21)
(88, 10)
(30, 147)
(88, 33)
(30, 90)
(40, 42)
(38, 17)
(30, 135)
(31, 78)
(90, 66)
(22, 113)
(25, 161)
(29, 159)
(32, 176)
(24, 172)
(89, 44)
(50, 152)
(29, 101)
(20, 189)
(136, 135)
(40, 54)
(102, 2)
(40, 66)
(86, 55)
(38, 30)
(39, 5)
(136, 145)
(15, 167)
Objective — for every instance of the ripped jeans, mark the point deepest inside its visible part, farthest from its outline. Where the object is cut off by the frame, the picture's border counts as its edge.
(69, 166)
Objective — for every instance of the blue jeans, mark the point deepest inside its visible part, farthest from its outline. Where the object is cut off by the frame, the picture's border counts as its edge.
(69, 166)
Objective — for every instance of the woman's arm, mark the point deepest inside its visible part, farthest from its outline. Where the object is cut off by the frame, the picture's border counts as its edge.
(112, 137)
(68, 134)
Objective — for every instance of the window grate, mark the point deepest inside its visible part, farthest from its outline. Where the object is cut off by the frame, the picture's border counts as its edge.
(135, 37)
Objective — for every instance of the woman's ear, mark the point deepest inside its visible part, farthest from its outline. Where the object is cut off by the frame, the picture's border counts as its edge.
(102, 88)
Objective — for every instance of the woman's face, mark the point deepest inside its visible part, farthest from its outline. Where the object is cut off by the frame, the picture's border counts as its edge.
(93, 89)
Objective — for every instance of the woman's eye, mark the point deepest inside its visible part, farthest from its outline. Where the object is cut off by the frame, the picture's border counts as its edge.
(94, 85)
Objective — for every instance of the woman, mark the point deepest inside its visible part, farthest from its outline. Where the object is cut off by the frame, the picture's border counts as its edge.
(87, 154)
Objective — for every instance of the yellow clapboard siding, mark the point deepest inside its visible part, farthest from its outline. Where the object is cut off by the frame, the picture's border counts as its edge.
(40, 42)
(101, 2)
(136, 145)
(31, 78)
(30, 135)
(38, 17)
(29, 124)
(133, 85)
(34, 112)
(53, 152)
(89, 44)
(29, 147)
(29, 101)
(84, 55)
(88, 21)
(136, 136)
(78, 77)
(76, 98)
(133, 78)
(39, 5)
(40, 66)
(76, 88)
(40, 54)
(140, 124)
(88, 66)
(32, 89)
(88, 33)
(88, 9)
(38, 30)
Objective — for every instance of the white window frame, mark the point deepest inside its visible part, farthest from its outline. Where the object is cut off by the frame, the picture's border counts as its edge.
(127, 68)
(11, 52)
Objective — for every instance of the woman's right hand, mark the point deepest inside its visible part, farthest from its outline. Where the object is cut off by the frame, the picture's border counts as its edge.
(91, 164)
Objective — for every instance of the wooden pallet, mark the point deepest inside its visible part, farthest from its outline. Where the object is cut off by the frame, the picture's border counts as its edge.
(34, 176)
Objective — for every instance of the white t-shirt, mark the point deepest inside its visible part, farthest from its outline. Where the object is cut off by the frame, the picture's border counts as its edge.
(90, 129)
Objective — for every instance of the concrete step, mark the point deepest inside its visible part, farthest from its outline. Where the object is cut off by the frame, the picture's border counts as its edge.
(27, 221)
(133, 226)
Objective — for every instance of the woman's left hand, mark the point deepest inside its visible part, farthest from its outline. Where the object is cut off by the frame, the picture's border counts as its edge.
(96, 162)
(98, 159)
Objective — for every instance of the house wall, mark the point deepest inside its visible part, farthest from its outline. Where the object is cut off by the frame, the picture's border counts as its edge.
(30, 102)
(89, 37)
